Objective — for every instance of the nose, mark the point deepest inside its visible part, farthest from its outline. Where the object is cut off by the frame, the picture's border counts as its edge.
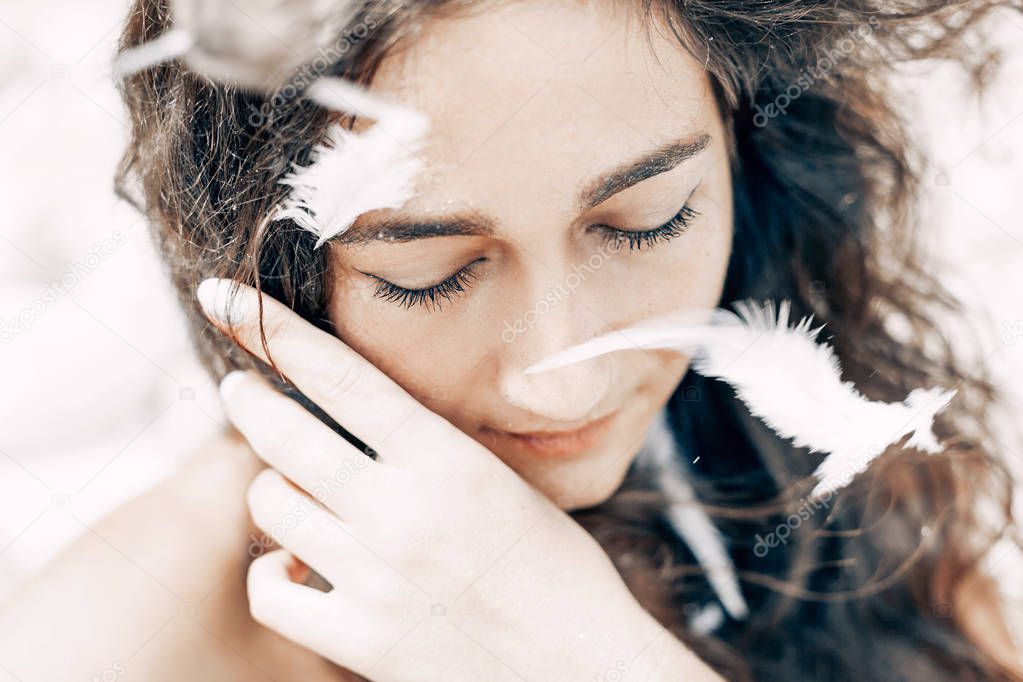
(566, 394)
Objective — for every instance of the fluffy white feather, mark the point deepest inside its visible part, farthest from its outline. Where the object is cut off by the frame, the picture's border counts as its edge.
(787, 379)
(351, 173)
(253, 43)
(256, 44)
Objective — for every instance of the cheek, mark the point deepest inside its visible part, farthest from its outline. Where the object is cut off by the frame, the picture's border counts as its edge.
(430, 354)
(687, 274)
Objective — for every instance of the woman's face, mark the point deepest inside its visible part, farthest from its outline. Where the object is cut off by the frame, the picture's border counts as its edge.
(577, 182)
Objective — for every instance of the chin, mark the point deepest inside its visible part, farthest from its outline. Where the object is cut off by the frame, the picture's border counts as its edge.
(591, 498)
(579, 484)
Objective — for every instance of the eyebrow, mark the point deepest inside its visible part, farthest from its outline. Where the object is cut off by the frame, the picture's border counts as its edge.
(474, 223)
(661, 160)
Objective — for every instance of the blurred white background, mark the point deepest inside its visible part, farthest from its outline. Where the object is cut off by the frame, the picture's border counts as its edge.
(102, 397)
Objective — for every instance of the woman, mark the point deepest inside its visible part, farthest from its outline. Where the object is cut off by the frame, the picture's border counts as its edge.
(616, 163)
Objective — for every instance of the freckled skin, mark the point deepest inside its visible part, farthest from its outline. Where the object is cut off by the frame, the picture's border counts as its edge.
(529, 104)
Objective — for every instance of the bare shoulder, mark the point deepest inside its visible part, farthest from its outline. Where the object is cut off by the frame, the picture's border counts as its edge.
(205, 498)
(225, 459)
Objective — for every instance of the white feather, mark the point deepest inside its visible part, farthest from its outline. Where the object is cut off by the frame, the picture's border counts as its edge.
(256, 44)
(785, 378)
(351, 173)
(245, 42)
(168, 45)
(691, 522)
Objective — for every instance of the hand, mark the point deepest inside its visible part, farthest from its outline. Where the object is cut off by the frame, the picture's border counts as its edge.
(444, 563)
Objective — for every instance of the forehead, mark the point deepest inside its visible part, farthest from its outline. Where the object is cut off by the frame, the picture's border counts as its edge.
(536, 96)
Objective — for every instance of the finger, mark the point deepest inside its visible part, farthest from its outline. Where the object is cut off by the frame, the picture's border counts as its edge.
(327, 544)
(340, 381)
(271, 591)
(298, 523)
(327, 623)
(298, 570)
(302, 614)
(290, 439)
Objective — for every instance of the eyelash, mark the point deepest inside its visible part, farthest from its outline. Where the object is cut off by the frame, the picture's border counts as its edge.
(433, 296)
(429, 297)
(639, 240)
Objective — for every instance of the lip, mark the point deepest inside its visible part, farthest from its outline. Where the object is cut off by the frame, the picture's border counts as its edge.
(559, 444)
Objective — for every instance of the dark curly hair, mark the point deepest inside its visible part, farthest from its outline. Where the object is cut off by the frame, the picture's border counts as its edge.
(886, 583)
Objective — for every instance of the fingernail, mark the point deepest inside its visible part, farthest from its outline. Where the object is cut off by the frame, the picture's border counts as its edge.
(230, 382)
(225, 301)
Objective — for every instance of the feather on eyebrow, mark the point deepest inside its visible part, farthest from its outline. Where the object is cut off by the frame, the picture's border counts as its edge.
(474, 224)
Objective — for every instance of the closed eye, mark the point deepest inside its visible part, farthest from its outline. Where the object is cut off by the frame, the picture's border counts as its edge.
(637, 240)
(433, 297)
(430, 297)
